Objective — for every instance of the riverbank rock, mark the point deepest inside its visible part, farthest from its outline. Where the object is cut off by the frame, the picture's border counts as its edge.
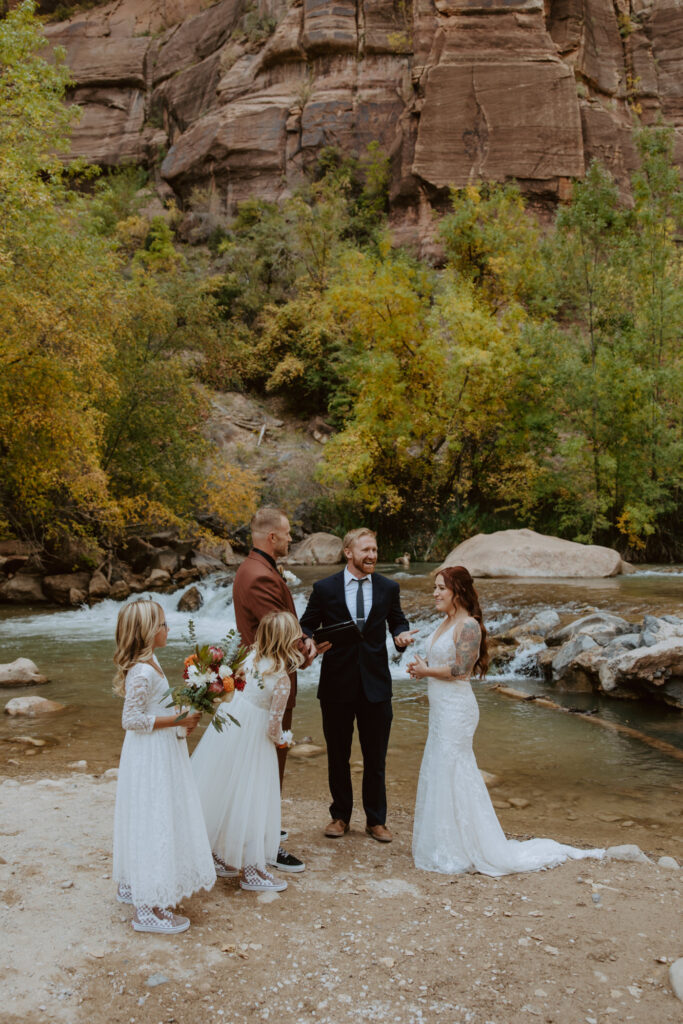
(318, 549)
(119, 591)
(69, 588)
(647, 670)
(220, 550)
(676, 977)
(525, 553)
(158, 578)
(24, 588)
(32, 706)
(99, 587)
(22, 672)
(305, 750)
(627, 852)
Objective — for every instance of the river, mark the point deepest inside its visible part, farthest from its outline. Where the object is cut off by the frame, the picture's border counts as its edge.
(567, 769)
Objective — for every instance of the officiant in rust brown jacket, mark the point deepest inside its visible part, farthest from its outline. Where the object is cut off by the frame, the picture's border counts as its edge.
(258, 589)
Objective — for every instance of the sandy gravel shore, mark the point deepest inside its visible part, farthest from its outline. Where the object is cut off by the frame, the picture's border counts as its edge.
(360, 936)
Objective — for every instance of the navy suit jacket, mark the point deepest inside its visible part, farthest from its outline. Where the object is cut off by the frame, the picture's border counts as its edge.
(365, 657)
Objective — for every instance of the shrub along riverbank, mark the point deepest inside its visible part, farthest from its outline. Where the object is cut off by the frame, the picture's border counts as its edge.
(531, 379)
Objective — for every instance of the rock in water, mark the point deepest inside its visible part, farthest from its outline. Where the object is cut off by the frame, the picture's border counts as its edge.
(32, 706)
(191, 601)
(22, 672)
(522, 553)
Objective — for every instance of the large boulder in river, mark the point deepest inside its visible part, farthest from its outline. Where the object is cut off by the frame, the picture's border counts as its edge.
(22, 672)
(514, 553)
(32, 706)
(318, 549)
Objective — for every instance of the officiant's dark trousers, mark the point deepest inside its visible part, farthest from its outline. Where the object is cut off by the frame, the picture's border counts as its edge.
(374, 726)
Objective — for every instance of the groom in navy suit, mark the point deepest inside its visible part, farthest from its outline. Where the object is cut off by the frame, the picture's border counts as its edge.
(355, 682)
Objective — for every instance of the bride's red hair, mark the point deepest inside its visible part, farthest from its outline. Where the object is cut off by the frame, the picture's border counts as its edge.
(461, 585)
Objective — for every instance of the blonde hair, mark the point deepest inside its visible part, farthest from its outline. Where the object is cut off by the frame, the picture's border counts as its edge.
(353, 535)
(137, 625)
(277, 639)
(266, 520)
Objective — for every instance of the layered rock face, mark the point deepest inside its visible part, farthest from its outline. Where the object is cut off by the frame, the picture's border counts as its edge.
(238, 98)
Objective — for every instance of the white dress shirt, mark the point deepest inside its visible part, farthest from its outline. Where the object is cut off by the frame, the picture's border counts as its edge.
(351, 590)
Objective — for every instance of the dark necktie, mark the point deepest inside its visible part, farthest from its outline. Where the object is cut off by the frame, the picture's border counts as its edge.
(360, 607)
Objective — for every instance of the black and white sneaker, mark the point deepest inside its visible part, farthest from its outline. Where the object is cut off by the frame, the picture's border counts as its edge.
(287, 862)
(284, 835)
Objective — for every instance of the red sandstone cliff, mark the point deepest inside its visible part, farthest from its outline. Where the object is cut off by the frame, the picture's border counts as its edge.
(239, 96)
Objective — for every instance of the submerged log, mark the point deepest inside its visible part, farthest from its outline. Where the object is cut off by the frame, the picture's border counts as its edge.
(546, 702)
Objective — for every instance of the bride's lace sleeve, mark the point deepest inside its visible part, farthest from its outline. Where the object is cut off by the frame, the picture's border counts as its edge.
(136, 701)
(466, 650)
(278, 703)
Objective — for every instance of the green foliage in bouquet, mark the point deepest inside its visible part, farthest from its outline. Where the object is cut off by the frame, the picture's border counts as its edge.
(208, 675)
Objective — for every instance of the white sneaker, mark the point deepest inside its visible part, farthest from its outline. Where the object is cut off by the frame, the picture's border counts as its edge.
(256, 880)
(124, 893)
(163, 921)
(224, 870)
(284, 835)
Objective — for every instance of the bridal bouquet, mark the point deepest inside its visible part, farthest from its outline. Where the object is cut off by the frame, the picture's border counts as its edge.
(208, 676)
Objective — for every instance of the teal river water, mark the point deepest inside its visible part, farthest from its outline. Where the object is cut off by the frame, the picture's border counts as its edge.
(557, 761)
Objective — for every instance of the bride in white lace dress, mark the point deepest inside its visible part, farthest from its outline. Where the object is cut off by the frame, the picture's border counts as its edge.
(456, 828)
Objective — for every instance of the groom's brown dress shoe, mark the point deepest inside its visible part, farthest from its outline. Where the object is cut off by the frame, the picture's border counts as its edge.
(379, 832)
(336, 828)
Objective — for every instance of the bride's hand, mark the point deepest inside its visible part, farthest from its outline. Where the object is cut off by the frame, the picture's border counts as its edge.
(418, 668)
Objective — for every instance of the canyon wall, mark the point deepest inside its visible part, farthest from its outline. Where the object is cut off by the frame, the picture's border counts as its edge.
(239, 97)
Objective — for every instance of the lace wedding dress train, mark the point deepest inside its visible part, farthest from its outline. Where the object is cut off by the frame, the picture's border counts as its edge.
(456, 828)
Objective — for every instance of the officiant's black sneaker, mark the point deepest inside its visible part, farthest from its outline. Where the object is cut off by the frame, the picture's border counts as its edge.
(287, 862)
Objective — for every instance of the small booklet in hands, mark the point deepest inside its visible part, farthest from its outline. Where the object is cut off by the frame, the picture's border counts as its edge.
(339, 633)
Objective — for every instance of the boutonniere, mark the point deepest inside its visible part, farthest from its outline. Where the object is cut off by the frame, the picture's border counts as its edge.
(280, 570)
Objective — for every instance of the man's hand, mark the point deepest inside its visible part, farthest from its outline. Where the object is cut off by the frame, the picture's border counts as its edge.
(324, 646)
(406, 638)
(310, 650)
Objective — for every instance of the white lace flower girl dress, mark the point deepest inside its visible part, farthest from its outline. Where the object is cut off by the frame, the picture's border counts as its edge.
(237, 773)
(161, 850)
(456, 828)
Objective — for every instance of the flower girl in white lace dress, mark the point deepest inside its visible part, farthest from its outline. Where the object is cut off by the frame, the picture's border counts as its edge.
(236, 770)
(456, 828)
(161, 850)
